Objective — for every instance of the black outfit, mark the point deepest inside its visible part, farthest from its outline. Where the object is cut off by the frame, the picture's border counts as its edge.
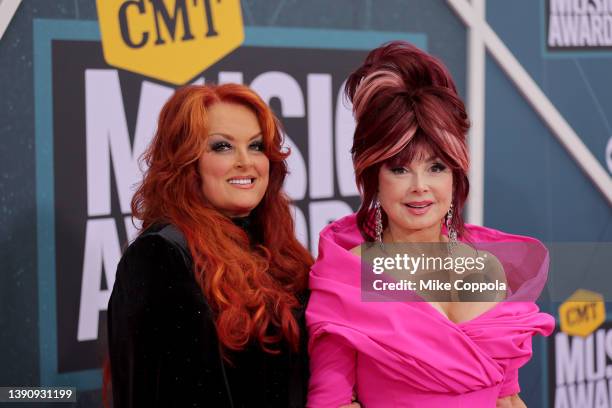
(163, 346)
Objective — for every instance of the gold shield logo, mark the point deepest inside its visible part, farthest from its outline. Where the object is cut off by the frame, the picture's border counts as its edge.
(169, 40)
(582, 313)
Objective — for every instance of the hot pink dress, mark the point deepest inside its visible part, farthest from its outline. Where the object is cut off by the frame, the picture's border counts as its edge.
(407, 354)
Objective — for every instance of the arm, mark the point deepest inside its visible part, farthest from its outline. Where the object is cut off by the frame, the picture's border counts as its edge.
(508, 395)
(136, 321)
(511, 401)
(332, 372)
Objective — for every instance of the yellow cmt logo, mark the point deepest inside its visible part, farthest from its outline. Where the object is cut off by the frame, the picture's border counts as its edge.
(582, 313)
(170, 40)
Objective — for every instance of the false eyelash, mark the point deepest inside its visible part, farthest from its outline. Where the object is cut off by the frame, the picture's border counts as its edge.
(218, 146)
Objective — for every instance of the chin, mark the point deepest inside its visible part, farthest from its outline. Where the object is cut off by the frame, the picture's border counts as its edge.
(419, 225)
(243, 209)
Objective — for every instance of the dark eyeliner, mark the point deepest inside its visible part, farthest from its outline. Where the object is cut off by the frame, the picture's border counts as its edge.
(259, 145)
(220, 146)
(439, 166)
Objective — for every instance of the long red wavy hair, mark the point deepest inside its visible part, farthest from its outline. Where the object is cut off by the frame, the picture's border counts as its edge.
(252, 290)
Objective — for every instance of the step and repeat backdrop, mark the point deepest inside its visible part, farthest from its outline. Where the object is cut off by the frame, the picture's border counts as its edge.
(82, 85)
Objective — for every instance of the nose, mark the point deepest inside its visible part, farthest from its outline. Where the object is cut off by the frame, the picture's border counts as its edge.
(419, 183)
(243, 158)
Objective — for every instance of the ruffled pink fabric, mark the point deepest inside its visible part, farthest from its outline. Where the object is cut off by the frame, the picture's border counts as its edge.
(407, 354)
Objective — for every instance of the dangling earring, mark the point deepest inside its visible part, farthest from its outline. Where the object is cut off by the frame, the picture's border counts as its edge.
(378, 219)
(452, 233)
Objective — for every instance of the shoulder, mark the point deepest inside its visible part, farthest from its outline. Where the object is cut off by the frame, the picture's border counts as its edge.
(343, 231)
(152, 248)
(484, 259)
(339, 238)
(488, 259)
(152, 273)
(150, 259)
(477, 253)
(494, 272)
(508, 248)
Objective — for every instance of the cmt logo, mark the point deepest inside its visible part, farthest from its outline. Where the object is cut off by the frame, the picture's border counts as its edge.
(169, 40)
(582, 313)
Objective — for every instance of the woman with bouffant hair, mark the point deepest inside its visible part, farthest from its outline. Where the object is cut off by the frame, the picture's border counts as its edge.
(207, 306)
(417, 348)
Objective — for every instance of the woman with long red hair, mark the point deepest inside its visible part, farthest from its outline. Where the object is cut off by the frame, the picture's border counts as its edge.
(208, 303)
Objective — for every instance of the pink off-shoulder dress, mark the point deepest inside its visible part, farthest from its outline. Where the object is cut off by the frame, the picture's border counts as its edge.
(407, 354)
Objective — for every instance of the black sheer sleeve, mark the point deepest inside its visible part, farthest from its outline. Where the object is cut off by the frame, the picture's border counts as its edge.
(162, 342)
(301, 367)
(137, 320)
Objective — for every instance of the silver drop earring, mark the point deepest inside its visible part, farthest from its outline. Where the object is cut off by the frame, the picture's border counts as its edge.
(452, 233)
(378, 219)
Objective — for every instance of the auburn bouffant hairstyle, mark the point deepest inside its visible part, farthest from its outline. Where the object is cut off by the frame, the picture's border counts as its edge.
(252, 291)
(405, 100)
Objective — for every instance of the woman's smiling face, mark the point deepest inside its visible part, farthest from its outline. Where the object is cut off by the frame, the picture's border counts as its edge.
(234, 168)
(416, 196)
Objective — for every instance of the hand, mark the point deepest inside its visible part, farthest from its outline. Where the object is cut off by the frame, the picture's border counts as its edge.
(354, 403)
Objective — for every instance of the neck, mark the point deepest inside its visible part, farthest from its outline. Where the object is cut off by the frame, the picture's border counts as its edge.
(394, 234)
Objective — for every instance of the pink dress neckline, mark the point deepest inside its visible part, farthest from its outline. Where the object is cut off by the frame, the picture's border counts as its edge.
(411, 350)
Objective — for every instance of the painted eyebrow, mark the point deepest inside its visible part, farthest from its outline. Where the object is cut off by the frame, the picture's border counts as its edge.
(432, 158)
(230, 137)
